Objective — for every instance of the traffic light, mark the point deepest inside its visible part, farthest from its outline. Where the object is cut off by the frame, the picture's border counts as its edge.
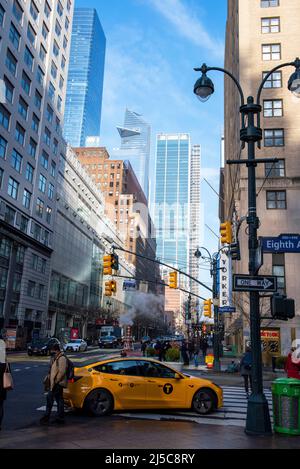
(282, 308)
(208, 308)
(235, 251)
(108, 289)
(110, 263)
(226, 232)
(173, 280)
(113, 286)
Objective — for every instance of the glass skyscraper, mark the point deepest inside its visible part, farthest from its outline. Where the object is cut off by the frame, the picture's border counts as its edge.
(135, 146)
(85, 79)
(172, 199)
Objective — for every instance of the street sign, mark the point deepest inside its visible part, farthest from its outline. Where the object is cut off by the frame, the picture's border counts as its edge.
(265, 283)
(282, 243)
(227, 309)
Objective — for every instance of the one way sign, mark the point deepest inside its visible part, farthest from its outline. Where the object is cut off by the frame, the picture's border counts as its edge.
(259, 283)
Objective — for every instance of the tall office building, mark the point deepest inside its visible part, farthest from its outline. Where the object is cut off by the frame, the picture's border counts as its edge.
(172, 197)
(195, 214)
(85, 79)
(135, 146)
(260, 36)
(34, 58)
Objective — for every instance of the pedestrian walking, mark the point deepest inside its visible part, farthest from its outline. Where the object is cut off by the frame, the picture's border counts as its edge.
(191, 349)
(292, 365)
(143, 348)
(246, 369)
(196, 356)
(204, 347)
(3, 365)
(166, 347)
(55, 382)
(184, 353)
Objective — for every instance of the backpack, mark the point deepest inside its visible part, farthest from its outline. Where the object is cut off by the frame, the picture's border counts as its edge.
(70, 369)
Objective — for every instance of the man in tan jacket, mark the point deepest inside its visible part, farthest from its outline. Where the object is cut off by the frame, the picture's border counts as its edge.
(56, 382)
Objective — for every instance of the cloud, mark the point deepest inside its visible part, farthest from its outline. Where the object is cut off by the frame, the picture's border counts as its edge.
(188, 25)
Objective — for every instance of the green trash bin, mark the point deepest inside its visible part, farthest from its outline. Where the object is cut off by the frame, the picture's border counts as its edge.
(286, 406)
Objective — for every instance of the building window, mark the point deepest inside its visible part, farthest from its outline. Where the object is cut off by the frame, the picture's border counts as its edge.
(53, 70)
(47, 10)
(40, 76)
(45, 32)
(14, 36)
(44, 159)
(58, 28)
(65, 43)
(26, 83)
(48, 214)
(271, 52)
(5, 246)
(3, 278)
(57, 126)
(67, 24)
(28, 58)
(31, 289)
(39, 208)
(43, 53)
(2, 13)
(41, 292)
(29, 173)
(49, 114)
(35, 123)
(10, 215)
(11, 62)
(61, 83)
(36, 232)
(51, 91)
(4, 117)
(63, 62)
(269, 3)
(16, 161)
(17, 11)
(55, 147)
(26, 199)
(32, 148)
(9, 90)
(38, 100)
(59, 103)
(24, 224)
(34, 11)
(273, 108)
(19, 134)
(278, 269)
(42, 183)
(55, 49)
(53, 168)
(31, 34)
(47, 137)
(34, 262)
(1, 177)
(276, 200)
(23, 108)
(274, 137)
(13, 188)
(270, 25)
(274, 80)
(51, 191)
(68, 5)
(3, 146)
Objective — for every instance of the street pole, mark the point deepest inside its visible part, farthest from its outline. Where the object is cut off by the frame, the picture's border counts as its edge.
(217, 364)
(258, 417)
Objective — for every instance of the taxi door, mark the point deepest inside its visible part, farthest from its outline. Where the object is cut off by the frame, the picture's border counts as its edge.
(123, 380)
(164, 391)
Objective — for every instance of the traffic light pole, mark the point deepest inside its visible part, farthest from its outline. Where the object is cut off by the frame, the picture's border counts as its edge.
(216, 343)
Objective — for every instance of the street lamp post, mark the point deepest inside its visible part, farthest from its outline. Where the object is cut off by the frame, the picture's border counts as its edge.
(258, 417)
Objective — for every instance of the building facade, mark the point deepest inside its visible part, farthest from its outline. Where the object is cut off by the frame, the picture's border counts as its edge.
(85, 78)
(135, 147)
(80, 237)
(195, 220)
(34, 51)
(172, 199)
(260, 36)
(126, 206)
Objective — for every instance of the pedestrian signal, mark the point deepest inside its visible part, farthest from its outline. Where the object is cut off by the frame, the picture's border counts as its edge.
(208, 308)
(226, 232)
(173, 280)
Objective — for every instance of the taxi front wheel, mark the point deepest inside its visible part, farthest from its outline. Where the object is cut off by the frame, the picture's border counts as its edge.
(99, 403)
(204, 401)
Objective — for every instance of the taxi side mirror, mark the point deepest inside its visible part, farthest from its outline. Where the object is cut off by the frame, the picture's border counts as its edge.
(177, 376)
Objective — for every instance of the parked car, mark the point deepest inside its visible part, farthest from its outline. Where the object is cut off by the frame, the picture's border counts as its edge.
(109, 341)
(146, 384)
(76, 345)
(41, 346)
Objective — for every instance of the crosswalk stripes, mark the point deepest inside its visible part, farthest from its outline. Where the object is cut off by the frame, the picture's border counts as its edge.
(234, 411)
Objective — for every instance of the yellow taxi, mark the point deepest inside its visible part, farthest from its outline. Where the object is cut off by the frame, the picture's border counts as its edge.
(139, 383)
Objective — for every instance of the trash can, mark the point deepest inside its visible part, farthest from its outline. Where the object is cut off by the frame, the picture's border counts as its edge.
(286, 405)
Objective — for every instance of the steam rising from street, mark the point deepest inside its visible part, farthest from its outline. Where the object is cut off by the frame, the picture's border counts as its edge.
(145, 305)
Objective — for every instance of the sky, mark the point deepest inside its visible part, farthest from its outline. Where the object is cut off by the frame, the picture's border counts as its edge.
(152, 48)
